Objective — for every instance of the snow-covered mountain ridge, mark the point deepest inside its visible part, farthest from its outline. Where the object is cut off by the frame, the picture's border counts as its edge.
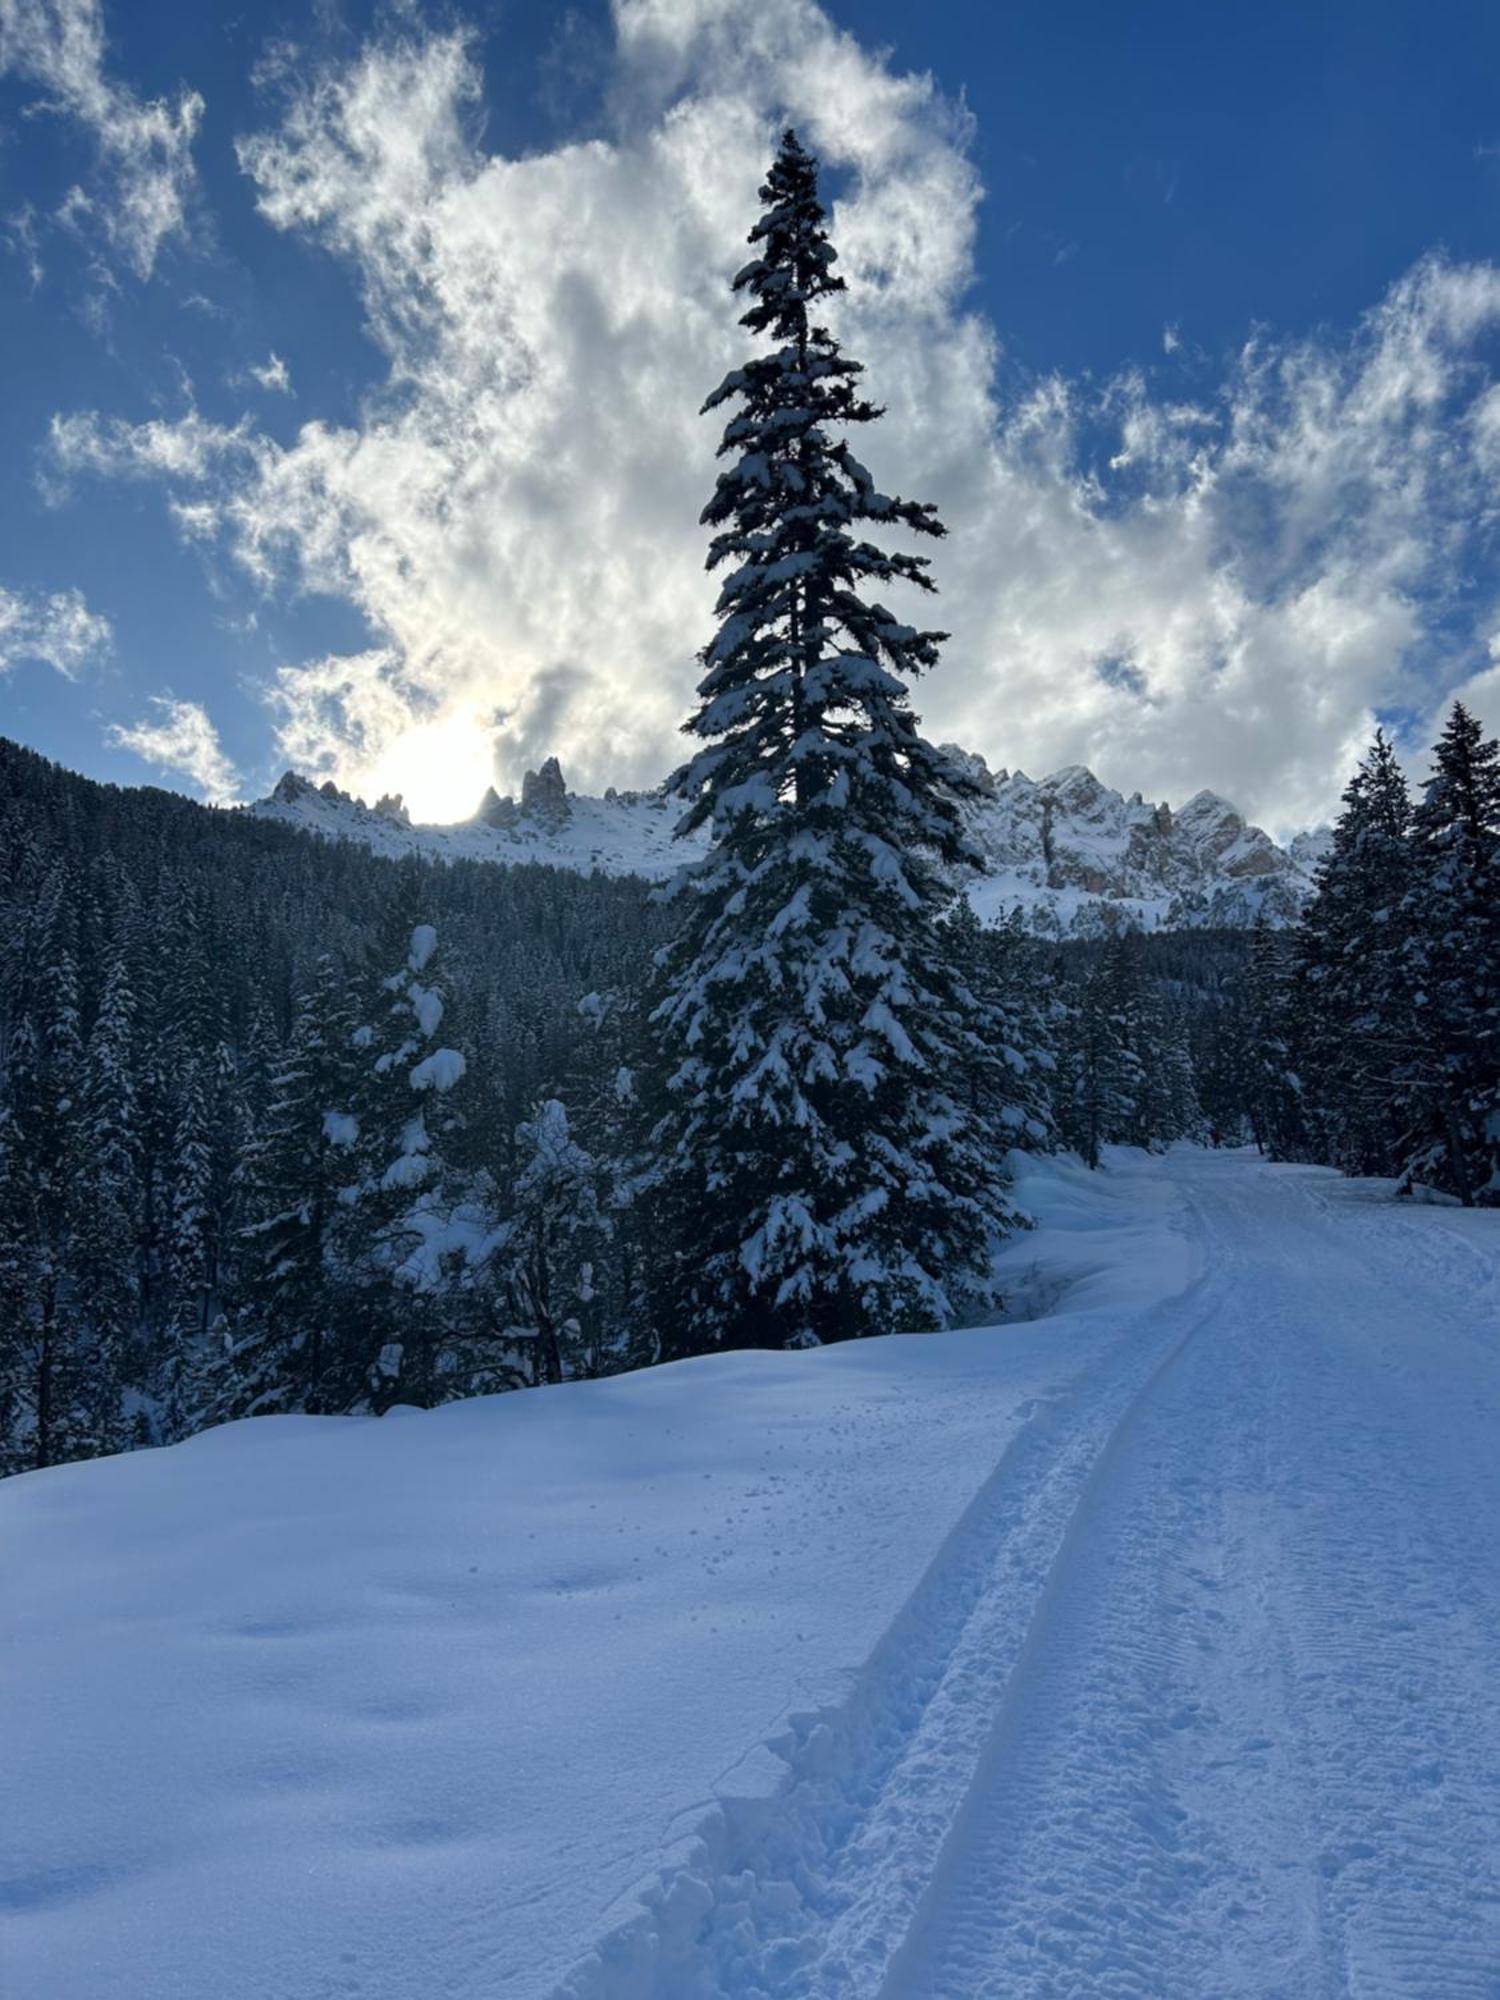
(1067, 851)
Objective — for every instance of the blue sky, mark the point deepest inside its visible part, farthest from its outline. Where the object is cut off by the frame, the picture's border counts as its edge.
(351, 362)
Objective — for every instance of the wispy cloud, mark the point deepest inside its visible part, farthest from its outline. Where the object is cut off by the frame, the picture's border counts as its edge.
(20, 230)
(272, 375)
(145, 176)
(1277, 557)
(56, 628)
(182, 740)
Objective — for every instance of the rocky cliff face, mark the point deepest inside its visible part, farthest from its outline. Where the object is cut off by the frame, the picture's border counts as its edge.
(1073, 855)
(1073, 852)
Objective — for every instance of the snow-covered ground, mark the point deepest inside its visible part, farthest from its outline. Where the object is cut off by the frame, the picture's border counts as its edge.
(1146, 1646)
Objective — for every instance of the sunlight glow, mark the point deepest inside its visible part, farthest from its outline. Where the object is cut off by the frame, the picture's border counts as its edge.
(440, 767)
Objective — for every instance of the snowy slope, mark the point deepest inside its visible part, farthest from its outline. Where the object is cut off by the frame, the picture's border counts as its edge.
(1148, 1648)
(311, 1706)
(1063, 849)
(624, 833)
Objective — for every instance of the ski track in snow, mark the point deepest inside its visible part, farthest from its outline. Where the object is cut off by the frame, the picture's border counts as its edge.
(1201, 1697)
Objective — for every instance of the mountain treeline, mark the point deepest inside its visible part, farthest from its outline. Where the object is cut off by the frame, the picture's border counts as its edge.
(287, 1125)
(197, 1010)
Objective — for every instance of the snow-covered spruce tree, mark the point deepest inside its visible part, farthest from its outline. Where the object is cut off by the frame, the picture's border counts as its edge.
(45, 1391)
(104, 1204)
(191, 1258)
(1101, 1076)
(1009, 1077)
(18, 1298)
(557, 1235)
(813, 1163)
(1452, 1067)
(290, 1315)
(400, 1223)
(1270, 1085)
(604, 1087)
(1167, 1106)
(1356, 1024)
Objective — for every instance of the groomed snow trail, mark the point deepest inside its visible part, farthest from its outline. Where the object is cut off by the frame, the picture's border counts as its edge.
(1201, 1698)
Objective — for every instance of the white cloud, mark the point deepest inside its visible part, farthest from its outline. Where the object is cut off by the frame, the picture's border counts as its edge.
(273, 376)
(183, 740)
(145, 147)
(58, 629)
(1481, 693)
(20, 230)
(1179, 591)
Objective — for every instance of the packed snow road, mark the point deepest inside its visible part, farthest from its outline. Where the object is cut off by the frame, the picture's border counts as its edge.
(1178, 1609)
(1203, 1698)
(1254, 1747)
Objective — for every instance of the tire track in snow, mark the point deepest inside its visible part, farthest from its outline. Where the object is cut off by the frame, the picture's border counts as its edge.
(1128, 1831)
(1386, 1474)
(806, 1894)
(1257, 1748)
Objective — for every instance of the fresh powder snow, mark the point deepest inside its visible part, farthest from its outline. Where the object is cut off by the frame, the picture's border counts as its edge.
(1146, 1645)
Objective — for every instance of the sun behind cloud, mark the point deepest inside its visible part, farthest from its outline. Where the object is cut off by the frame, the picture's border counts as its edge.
(440, 767)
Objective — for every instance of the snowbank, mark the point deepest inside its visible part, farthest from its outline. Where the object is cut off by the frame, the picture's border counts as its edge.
(316, 1706)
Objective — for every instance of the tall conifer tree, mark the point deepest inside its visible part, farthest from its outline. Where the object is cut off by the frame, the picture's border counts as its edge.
(104, 1211)
(289, 1350)
(813, 1156)
(1357, 1024)
(1269, 1082)
(1454, 966)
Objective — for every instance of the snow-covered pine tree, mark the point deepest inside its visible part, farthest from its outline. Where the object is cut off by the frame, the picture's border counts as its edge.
(1010, 1062)
(45, 1393)
(290, 1317)
(104, 1206)
(397, 1208)
(1172, 1109)
(1270, 1084)
(1102, 1076)
(558, 1233)
(19, 1288)
(260, 1056)
(1452, 1068)
(1356, 1024)
(191, 1259)
(813, 1159)
(604, 1087)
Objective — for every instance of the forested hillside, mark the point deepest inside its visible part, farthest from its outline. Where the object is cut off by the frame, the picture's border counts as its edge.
(179, 990)
(212, 1200)
(286, 1125)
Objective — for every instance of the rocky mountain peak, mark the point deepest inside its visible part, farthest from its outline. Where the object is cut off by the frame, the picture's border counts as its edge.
(544, 795)
(290, 787)
(495, 810)
(971, 765)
